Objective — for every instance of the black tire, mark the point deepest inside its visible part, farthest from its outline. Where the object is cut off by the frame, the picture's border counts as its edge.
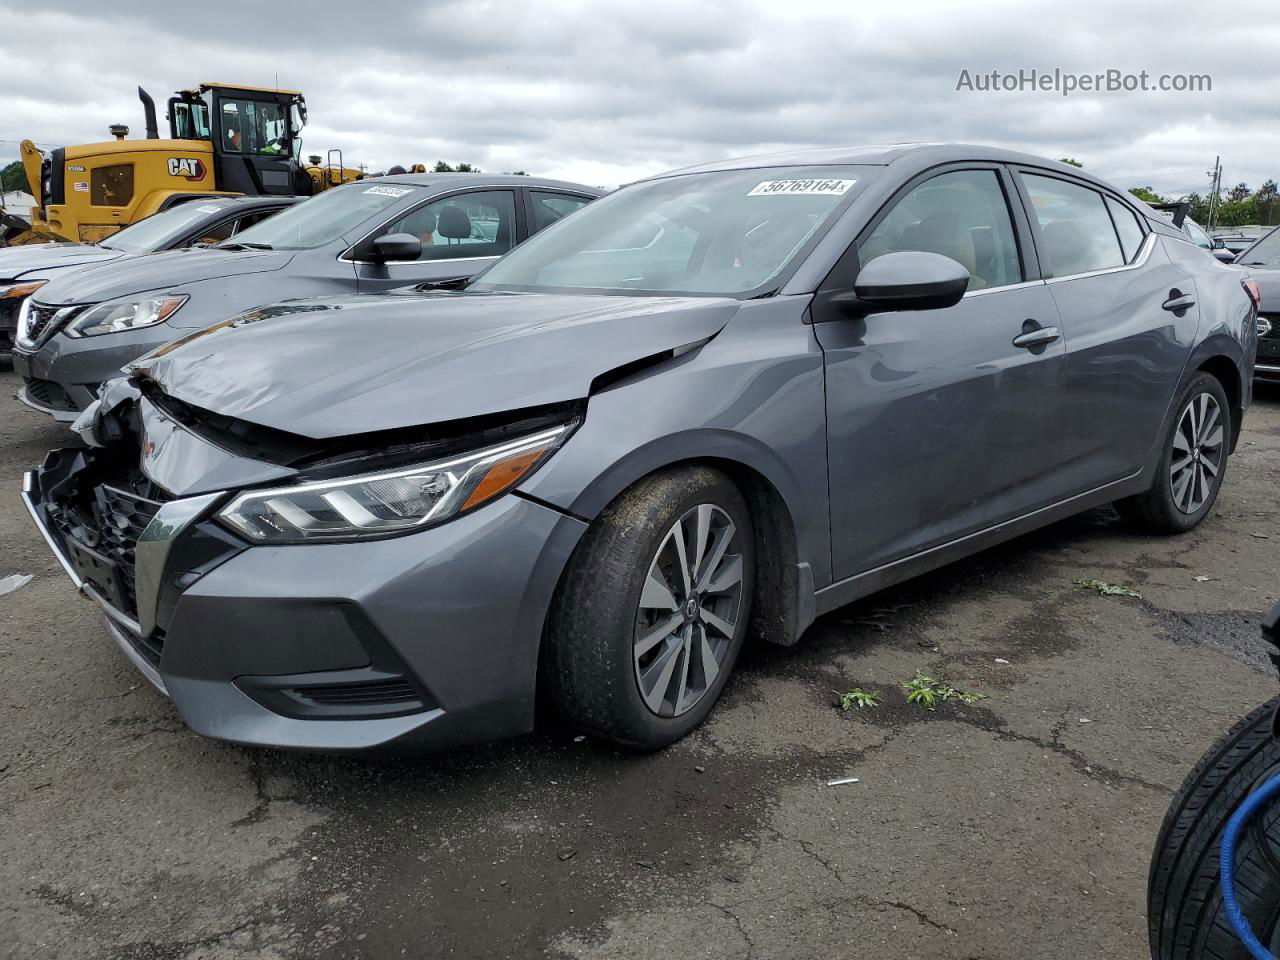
(1184, 901)
(1155, 511)
(589, 670)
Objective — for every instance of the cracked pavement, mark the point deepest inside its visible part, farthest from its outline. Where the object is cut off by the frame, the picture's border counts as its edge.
(1020, 824)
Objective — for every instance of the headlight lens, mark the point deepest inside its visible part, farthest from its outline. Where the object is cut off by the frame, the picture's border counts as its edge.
(115, 317)
(17, 291)
(377, 504)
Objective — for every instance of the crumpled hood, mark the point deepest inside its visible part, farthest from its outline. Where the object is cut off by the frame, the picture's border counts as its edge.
(166, 270)
(35, 260)
(340, 366)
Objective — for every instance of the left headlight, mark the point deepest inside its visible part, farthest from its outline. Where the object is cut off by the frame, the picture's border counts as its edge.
(394, 501)
(130, 315)
(19, 291)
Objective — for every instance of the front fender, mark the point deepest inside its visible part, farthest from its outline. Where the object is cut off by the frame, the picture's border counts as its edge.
(751, 397)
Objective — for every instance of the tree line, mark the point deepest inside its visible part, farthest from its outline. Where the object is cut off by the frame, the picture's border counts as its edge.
(1239, 206)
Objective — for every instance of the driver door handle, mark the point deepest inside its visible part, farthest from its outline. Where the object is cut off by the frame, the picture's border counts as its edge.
(1037, 337)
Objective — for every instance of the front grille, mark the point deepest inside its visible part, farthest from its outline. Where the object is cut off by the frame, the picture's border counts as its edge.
(122, 518)
(1269, 326)
(372, 693)
(49, 395)
(39, 316)
(111, 526)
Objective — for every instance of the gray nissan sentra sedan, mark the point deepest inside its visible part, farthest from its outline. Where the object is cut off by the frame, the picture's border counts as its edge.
(76, 333)
(25, 269)
(710, 406)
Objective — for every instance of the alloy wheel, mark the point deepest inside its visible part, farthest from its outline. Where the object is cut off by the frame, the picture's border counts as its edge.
(1198, 450)
(689, 610)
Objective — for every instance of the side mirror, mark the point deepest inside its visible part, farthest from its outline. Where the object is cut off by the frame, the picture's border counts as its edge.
(911, 280)
(395, 246)
(1219, 243)
(1223, 254)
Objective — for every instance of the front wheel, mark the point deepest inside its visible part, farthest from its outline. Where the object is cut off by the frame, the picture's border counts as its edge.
(1185, 917)
(1193, 462)
(652, 609)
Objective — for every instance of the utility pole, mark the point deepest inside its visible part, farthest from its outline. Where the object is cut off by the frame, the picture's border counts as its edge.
(1216, 175)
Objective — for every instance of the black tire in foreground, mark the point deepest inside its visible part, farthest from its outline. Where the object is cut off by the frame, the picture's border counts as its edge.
(1192, 464)
(1184, 901)
(652, 609)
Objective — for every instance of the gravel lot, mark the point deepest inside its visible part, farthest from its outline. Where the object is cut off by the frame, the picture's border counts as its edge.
(1015, 827)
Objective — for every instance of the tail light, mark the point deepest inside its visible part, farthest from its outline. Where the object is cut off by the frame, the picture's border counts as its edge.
(1253, 290)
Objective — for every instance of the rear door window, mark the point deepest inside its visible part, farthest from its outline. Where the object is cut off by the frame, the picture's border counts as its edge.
(1076, 232)
(550, 207)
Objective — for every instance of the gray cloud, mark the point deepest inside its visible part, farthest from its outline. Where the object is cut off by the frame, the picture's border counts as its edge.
(605, 92)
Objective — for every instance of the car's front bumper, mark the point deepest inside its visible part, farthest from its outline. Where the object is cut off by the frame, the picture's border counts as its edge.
(63, 375)
(454, 615)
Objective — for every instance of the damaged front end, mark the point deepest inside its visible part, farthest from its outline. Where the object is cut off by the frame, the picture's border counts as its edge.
(176, 522)
(127, 543)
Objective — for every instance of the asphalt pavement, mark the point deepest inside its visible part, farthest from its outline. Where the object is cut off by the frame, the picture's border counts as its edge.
(1016, 826)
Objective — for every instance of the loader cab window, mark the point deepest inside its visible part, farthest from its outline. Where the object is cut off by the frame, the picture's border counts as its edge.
(254, 127)
(189, 119)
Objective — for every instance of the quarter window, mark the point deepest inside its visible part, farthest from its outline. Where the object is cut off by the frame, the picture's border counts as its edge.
(469, 225)
(550, 207)
(1076, 233)
(961, 215)
(1127, 227)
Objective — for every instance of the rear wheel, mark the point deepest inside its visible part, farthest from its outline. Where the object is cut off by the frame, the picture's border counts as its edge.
(1184, 900)
(1192, 465)
(652, 609)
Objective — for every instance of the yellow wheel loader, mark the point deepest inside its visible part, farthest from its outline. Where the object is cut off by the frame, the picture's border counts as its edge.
(224, 139)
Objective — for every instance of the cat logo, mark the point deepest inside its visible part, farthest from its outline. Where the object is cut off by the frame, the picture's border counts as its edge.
(188, 167)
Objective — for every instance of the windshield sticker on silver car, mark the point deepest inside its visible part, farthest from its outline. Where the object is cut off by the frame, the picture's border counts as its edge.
(389, 191)
(791, 187)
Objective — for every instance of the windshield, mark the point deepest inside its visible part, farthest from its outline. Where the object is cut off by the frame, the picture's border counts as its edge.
(1197, 235)
(161, 229)
(726, 233)
(1265, 253)
(321, 219)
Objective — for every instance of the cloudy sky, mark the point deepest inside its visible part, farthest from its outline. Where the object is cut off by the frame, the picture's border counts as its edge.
(604, 92)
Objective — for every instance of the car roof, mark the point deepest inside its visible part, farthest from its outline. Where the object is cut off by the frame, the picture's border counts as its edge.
(252, 201)
(452, 180)
(884, 155)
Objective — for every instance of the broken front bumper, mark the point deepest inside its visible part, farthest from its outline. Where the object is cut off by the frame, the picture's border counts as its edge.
(428, 639)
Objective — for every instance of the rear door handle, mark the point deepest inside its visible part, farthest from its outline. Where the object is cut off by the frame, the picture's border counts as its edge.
(1037, 338)
(1176, 302)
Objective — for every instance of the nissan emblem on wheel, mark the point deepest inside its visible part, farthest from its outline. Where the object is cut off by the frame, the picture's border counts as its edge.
(697, 413)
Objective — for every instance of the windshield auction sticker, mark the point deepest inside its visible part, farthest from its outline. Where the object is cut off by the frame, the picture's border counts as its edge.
(390, 191)
(770, 188)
